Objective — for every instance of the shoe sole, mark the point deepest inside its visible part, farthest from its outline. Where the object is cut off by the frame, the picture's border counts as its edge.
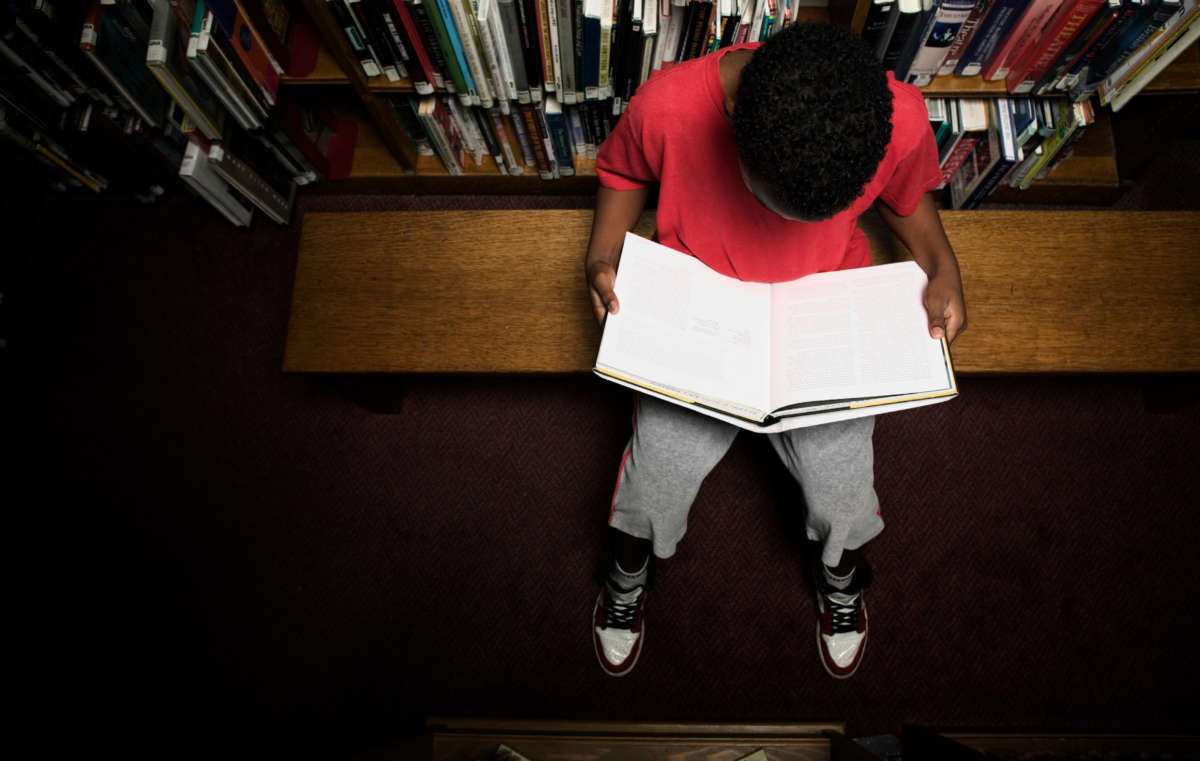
(596, 646)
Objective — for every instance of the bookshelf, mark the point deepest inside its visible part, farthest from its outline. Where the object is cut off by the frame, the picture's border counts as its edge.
(389, 163)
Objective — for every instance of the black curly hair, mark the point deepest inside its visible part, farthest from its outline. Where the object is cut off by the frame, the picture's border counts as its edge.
(812, 118)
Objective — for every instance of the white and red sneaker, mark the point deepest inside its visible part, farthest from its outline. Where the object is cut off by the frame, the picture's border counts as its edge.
(617, 630)
(842, 625)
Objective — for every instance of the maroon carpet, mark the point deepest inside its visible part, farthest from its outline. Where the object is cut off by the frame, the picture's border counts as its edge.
(225, 557)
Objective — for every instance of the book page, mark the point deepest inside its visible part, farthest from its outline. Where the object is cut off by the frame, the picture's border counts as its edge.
(688, 329)
(853, 334)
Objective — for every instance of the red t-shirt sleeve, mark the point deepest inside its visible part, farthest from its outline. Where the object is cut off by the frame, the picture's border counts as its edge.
(622, 162)
(916, 173)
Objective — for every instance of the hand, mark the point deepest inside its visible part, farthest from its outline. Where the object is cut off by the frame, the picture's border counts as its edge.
(601, 277)
(945, 306)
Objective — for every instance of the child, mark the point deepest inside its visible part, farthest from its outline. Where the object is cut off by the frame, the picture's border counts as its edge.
(765, 156)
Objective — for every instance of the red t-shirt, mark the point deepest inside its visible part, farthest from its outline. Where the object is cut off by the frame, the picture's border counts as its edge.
(674, 132)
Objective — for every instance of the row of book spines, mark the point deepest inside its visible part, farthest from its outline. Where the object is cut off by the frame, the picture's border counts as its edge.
(1007, 142)
(517, 49)
(1036, 46)
(546, 138)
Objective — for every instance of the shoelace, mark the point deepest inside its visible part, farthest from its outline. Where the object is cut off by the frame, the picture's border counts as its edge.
(620, 608)
(844, 609)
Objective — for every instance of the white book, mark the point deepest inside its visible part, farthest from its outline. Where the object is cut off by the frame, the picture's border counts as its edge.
(769, 357)
(469, 37)
(196, 172)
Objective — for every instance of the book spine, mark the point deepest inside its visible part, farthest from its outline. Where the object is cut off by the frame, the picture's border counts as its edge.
(430, 78)
(991, 34)
(443, 21)
(1066, 26)
(531, 46)
(537, 140)
(1077, 46)
(1023, 34)
(508, 77)
(948, 20)
(566, 50)
(424, 30)
(541, 22)
(497, 119)
(371, 25)
(357, 44)
(516, 123)
(965, 35)
(879, 20)
(469, 44)
(511, 24)
(1180, 38)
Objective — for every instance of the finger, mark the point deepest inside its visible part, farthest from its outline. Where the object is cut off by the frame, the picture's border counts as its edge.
(955, 324)
(602, 286)
(937, 325)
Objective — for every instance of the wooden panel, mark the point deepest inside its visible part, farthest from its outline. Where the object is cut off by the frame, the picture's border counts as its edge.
(503, 291)
(469, 739)
(325, 72)
(585, 748)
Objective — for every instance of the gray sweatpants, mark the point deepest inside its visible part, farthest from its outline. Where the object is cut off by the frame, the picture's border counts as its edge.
(672, 449)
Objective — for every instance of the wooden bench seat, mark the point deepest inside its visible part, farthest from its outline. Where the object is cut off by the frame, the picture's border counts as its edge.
(503, 291)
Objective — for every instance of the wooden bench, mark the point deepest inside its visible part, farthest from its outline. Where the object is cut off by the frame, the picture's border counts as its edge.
(503, 291)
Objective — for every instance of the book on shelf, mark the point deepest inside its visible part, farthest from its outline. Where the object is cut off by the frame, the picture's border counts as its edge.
(994, 155)
(992, 32)
(909, 22)
(117, 51)
(370, 25)
(769, 357)
(559, 133)
(266, 21)
(408, 65)
(247, 166)
(1053, 38)
(1077, 47)
(1185, 36)
(948, 19)
(424, 59)
(166, 57)
(966, 33)
(358, 43)
(213, 70)
(200, 177)
(1022, 34)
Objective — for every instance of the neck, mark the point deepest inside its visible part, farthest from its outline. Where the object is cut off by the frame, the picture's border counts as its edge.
(731, 67)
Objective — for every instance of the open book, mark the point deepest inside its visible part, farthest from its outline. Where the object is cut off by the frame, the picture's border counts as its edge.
(773, 356)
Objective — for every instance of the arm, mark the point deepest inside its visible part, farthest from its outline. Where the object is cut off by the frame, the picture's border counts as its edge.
(922, 233)
(617, 211)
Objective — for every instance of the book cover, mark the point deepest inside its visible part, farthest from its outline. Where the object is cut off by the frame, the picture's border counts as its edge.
(560, 136)
(1182, 37)
(418, 12)
(1077, 47)
(252, 171)
(1063, 26)
(1023, 33)
(105, 43)
(909, 15)
(201, 178)
(510, 23)
(878, 24)
(761, 355)
(165, 58)
(992, 31)
(430, 74)
(217, 50)
(948, 19)
(481, 77)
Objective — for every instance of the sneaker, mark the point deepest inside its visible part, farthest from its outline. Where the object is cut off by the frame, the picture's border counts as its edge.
(842, 625)
(617, 631)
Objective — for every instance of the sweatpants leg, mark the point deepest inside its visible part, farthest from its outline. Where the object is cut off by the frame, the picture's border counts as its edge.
(671, 451)
(835, 465)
